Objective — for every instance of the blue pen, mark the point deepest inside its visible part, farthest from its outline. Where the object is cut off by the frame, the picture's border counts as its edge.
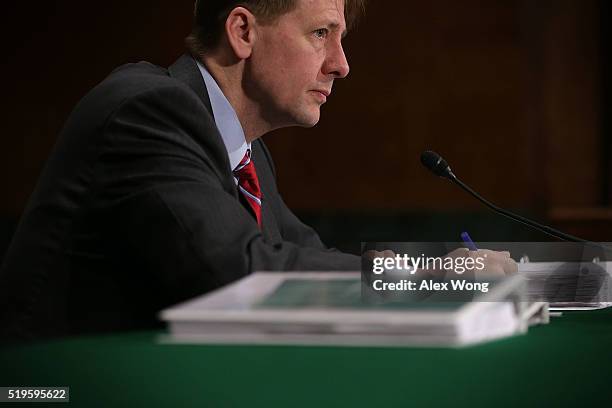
(468, 241)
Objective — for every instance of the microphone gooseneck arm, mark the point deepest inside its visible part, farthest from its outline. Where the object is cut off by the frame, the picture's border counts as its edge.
(437, 165)
(540, 227)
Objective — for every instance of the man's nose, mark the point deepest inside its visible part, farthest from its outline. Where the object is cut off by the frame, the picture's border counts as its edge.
(336, 63)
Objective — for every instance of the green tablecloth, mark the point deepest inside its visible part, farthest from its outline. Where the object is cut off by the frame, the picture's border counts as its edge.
(566, 363)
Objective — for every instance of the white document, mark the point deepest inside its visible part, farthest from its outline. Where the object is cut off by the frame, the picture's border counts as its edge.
(326, 309)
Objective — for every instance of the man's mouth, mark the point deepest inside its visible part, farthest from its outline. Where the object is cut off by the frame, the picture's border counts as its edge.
(322, 94)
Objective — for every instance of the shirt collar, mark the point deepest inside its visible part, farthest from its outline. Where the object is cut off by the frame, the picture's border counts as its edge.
(226, 120)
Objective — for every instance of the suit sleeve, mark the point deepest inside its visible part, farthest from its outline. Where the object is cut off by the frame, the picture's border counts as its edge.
(161, 196)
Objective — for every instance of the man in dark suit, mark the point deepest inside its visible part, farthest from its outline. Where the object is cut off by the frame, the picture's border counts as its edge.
(159, 188)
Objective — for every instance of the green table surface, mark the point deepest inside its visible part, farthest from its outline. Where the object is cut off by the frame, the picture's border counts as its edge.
(565, 363)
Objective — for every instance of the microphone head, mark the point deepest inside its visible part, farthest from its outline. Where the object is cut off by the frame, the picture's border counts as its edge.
(436, 164)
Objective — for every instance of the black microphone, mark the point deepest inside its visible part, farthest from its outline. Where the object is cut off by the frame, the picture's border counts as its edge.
(437, 165)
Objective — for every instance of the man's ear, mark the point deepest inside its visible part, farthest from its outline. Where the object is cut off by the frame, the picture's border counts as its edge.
(240, 31)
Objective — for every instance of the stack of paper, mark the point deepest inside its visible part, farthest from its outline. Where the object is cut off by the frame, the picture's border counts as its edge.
(569, 285)
(327, 308)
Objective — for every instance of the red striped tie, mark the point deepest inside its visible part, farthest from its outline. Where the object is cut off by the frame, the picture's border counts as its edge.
(248, 184)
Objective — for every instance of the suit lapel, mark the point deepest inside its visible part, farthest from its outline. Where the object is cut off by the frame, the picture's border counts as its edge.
(186, 70)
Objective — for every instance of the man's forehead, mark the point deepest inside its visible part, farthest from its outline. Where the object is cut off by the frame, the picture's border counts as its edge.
(326, 8)
(331, 10)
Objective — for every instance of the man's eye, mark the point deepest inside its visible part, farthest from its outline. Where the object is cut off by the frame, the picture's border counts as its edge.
(321, 33)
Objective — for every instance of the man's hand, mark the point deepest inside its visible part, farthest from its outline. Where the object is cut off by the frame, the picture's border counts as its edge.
(371, 254)
(484, 263)
(497, 264)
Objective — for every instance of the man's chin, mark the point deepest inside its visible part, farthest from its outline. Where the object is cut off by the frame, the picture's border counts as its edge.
(302, 118)
(308, 121)
(309, 125)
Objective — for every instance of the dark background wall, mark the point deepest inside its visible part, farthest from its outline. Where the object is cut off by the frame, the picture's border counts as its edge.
(514, 93)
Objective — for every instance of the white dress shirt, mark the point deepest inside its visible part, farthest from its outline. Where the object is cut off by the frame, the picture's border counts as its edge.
(226, 120)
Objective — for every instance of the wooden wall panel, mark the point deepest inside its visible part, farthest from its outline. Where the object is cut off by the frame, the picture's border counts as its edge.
(53, 53)
(497, 86)
(446, 75)
(507, 91)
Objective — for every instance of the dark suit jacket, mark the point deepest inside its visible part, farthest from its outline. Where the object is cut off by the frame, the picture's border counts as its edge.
(137, 209)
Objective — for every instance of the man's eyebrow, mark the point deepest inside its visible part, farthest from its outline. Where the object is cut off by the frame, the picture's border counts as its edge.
(335, 27)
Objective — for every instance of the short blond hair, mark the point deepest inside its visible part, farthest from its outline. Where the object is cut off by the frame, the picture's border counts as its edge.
(210, 17)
